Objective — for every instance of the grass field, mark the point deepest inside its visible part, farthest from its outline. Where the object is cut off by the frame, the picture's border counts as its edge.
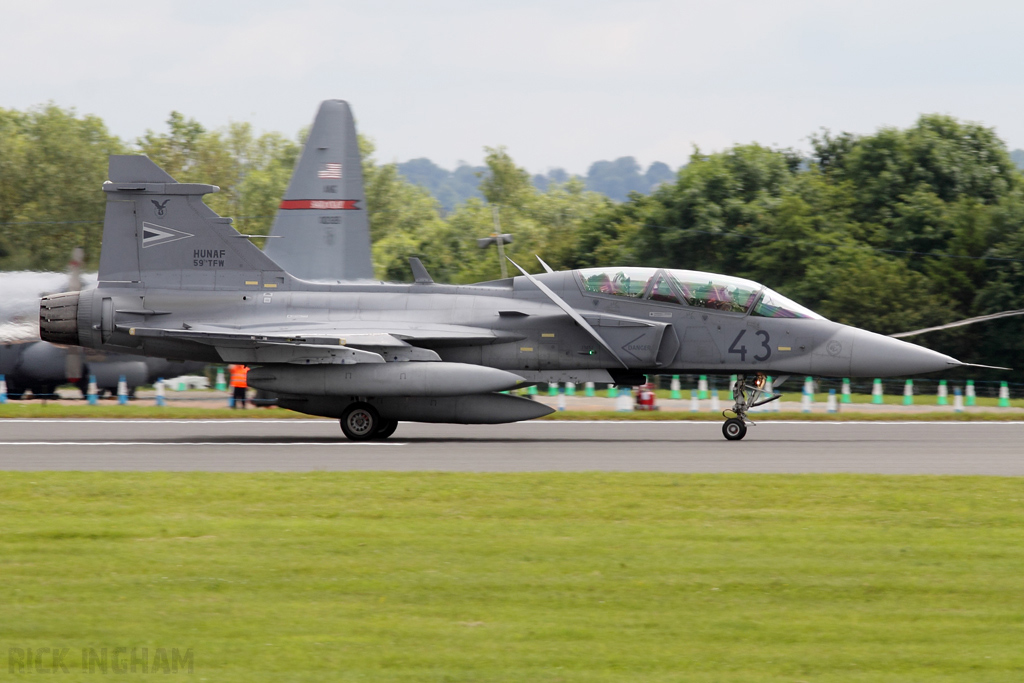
(110, 409)
(521, 577)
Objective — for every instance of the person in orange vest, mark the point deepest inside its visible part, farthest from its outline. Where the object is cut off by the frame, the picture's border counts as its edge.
(239, 385)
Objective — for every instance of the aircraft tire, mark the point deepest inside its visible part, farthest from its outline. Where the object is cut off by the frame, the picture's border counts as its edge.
(386, 429)
(360, 421)
(734, 429)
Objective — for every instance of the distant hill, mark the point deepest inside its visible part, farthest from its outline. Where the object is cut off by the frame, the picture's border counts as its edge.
(450, 188)
(616, 179)
(1017, 157)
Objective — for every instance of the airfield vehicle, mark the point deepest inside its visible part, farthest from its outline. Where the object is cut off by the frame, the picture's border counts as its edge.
(176, 280)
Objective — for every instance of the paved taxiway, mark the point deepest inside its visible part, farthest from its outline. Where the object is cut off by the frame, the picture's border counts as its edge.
(303, 445)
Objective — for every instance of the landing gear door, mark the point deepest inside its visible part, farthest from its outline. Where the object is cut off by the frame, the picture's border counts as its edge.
(669, 347)
(637, 342)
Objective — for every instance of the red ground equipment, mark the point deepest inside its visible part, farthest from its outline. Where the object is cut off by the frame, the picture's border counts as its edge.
(645, 398)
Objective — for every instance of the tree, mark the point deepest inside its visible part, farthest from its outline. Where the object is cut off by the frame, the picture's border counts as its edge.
(863, 288)
(404, 222)
(268, 163)
(53, 164)
(542, 223)
(175, 151)
(504, 183)
(13, 149)
(939, 154)
(706, 220)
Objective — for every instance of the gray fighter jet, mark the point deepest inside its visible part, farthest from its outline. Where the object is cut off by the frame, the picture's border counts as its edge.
(176, 280)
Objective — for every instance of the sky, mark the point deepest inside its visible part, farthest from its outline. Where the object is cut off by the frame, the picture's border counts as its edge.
(560, 83)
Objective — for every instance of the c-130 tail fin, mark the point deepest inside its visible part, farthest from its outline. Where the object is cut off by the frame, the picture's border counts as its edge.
(158, 233)
(322, 230)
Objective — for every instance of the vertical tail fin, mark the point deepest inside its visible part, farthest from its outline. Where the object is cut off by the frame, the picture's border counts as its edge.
(322, 227)
(158, 232)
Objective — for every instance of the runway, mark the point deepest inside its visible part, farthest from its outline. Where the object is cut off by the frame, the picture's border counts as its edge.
(993, 448)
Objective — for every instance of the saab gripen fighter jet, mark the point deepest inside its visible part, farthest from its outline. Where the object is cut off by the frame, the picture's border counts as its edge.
(177, 281)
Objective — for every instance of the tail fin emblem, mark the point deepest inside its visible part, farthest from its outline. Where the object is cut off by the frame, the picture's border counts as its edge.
(152, 235)
(161, 207)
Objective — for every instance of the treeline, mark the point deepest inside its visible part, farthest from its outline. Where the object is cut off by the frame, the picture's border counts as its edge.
(53, 163)
(614, 179)
(901, 229)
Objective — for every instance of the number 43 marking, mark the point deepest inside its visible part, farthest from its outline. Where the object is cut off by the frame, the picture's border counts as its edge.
(742, 350)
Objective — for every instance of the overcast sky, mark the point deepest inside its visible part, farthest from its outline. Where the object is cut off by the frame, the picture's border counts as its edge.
(561, 83)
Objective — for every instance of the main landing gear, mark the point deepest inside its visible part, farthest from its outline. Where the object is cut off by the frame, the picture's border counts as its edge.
(746, 396)
(360, 421)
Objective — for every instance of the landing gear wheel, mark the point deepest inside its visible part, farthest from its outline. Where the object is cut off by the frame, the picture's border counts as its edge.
(746, 396)
(360, 421)
(734, 429)
(386, 429)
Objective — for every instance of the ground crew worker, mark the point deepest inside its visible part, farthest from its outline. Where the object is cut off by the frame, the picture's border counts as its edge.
(239, 384)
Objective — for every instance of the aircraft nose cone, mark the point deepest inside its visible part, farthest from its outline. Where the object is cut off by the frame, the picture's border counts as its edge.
(875, 355)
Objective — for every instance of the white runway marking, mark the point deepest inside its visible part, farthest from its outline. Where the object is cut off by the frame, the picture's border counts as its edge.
(808, 423)
(644, 423)
(90, 420)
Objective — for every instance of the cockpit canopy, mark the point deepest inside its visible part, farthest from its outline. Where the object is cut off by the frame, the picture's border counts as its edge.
(693, 288)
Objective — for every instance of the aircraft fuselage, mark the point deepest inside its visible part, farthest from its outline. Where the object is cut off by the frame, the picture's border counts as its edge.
(520, 329)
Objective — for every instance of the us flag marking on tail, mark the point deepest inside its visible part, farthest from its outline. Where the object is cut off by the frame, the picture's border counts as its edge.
(330, 171)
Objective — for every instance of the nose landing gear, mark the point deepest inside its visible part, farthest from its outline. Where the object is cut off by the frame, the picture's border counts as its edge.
(746, 396)
(734, 429)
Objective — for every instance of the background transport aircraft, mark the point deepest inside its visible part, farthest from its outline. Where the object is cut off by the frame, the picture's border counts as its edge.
(188, 285)
(322, 229)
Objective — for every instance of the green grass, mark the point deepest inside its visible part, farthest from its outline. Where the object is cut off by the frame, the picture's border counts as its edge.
(110, 409)
(522, 577)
